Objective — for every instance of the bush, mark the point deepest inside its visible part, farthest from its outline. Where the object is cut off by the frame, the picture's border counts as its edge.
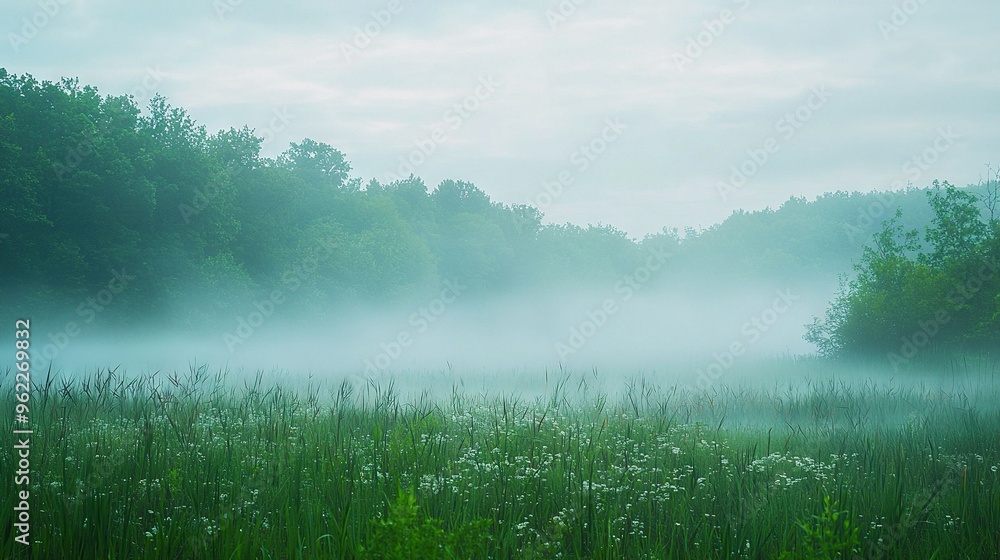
(405, 536)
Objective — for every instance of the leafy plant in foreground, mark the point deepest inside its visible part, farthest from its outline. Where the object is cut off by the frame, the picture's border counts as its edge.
(405, 536)
(828, 538)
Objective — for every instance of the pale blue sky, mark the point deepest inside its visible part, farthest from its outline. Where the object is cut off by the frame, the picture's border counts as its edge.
(556, 83)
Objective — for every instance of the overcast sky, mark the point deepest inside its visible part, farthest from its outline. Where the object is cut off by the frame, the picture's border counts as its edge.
(643, 108)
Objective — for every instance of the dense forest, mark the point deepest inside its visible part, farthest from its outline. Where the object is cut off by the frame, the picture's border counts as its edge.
(102, 199)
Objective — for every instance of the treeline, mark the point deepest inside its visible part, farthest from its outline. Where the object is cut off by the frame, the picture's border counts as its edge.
(939, 288)
(118, 215)
(93, 187)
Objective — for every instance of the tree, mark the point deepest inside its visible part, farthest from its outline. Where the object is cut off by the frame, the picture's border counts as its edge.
(318, 164)
(453, 197)
(870, 312)
(902, 300)
(957, 231)
(236, 148)
(172, 126)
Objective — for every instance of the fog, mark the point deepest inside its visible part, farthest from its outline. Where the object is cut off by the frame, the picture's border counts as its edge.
(516, 342)
(735, 357)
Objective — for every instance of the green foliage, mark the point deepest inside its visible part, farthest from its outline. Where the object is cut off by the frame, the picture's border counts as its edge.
(957, 231)
(406, 535)
(318, 164)
(827, 537)
(903, 300)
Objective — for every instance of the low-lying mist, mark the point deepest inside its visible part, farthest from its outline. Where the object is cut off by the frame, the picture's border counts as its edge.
(691, 337)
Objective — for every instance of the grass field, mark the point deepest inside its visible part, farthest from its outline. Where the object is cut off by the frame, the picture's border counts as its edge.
(203, 465)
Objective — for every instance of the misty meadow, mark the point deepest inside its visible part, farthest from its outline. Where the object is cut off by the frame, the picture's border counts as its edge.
(372, 324)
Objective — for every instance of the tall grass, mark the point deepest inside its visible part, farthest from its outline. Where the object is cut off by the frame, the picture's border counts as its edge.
(202, 465)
